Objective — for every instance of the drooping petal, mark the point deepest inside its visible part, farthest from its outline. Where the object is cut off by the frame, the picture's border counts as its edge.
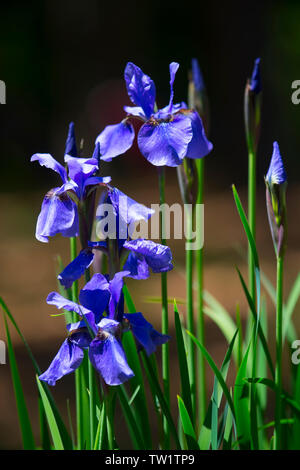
(71, 148)
(115, 140)
(276, 173)
(137, 266)
(54, 298)
(165, 143)
(255, 81)
(140, 88)
(58, 215)
(76, 268)
(147, 337)
(115, 288)
(128, 209)
(157, 256)
(199, 146)
(45, 159)
(174, 66)
(108, 357)
(68, 359)
(96, 294)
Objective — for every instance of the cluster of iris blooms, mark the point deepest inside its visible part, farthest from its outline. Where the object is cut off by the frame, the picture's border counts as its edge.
(166, 137)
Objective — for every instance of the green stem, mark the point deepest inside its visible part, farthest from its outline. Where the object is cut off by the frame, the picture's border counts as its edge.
(164, 295)
(251, 216)
(91, 377)
(73, 254)
(200, 315)
(278, 373)
(190, 310)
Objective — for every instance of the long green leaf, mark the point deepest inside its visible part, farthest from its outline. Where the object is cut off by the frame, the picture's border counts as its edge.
(187, 425)
(183, 366)
(136, 436)
(26, 430)
(164, 406)
(140, 402)
(215, 370)
(241, 398)
(64, 433)
(54, 430)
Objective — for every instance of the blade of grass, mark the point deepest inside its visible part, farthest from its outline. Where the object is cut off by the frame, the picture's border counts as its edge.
(183, 366)
(54, 430)
(63, 430)
(134, 431)
(24, 421)
(187, 426)
(215, 370)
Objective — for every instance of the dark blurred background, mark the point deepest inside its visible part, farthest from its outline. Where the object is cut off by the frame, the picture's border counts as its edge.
(63, 61)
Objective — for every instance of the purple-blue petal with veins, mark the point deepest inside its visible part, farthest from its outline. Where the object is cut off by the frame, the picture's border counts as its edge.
(137, 266)
(68, 359)
(276, 173)
(58, 215)
(140, 88)
(45, 159)
(146, 336)
(157, 256)
(80, 169)
(128, 209)
(165, 143)
(107, 355)
(71, 148)
(115, 140)
(174, 66)
(54, 298)
(199, 146)
(95, 294)
(115, 288)
(76, 268)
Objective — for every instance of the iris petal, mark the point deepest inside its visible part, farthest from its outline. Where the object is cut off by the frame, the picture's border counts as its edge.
(76, 268)
(58, 215)
(45, 159)
(144, 333)
(157, 256)
(140, 88)
(108, 358)
(199, 146)
(165, 143)
(115, 140)
(68, 359)
(137, 267)
(54, 298)
(95, 294)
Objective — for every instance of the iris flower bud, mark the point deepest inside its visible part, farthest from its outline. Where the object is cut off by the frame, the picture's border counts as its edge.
(276, 183)
(252, 107)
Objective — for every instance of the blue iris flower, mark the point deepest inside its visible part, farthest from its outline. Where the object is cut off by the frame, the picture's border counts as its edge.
(142, 253)
(99, 334)
(167, 136)
(59, 212)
